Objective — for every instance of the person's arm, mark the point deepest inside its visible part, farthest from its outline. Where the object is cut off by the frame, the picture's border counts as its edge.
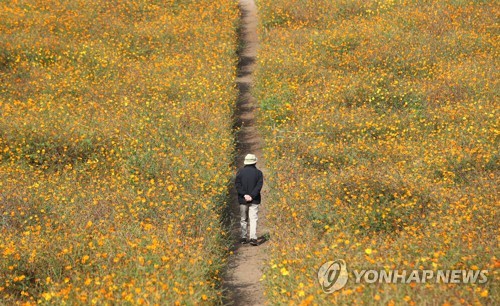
(256, 190)
(238, 184)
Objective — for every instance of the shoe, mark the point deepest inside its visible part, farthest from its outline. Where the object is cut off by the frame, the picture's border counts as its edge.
(243, 240)
(254, 242)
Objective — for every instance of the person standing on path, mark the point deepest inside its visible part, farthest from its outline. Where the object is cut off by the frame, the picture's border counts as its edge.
(249, 181)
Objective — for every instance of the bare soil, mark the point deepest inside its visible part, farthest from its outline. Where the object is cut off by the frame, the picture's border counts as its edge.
(242, 280)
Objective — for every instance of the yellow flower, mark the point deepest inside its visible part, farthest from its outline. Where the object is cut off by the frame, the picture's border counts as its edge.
(284, 271)
(85, 258)
(47, 296)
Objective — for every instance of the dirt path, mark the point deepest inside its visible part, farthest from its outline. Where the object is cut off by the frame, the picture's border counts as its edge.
(242, 281)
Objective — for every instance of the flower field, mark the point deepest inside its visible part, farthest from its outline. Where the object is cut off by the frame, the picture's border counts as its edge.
(115, 150)
(382, 145)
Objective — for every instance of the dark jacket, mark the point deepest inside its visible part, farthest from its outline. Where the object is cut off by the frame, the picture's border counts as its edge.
(249, 180)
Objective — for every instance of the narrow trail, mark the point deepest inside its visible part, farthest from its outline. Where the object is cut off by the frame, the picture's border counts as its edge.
(242, 281)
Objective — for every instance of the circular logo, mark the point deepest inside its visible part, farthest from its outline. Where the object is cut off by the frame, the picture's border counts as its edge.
(332, 275)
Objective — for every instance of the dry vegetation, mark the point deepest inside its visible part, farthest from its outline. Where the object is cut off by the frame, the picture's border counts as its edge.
(115, 149)
(382, 143)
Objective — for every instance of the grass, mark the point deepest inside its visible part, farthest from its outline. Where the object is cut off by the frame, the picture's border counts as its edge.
(115, 150)
(382, 144)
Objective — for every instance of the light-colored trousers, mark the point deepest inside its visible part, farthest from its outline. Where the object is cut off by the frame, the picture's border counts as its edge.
(248, 213)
